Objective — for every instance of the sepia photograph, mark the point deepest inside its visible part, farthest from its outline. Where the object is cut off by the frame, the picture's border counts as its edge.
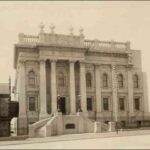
(74, 75)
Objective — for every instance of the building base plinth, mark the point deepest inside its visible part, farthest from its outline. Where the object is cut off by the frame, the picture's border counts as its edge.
(22, 126)
(111, 126)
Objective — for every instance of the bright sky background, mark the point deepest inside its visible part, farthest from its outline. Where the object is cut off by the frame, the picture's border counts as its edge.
(120, 21)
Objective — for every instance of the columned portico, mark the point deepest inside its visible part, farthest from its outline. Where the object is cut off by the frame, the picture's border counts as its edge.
(43, 103)
(72, 88)
(83, 87)
(58, 68)
(53, 86)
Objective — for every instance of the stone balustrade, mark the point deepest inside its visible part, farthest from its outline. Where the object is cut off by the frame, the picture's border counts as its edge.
(96, 44)
(72, 41)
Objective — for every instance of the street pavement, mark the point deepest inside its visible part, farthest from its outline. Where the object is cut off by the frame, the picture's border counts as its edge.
(82, 141)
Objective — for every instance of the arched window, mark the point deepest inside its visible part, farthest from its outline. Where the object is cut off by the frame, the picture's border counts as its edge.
(105, 80)
(61, 79)
(88, 80)
(120, 81)
(31, 78)
(135, 81)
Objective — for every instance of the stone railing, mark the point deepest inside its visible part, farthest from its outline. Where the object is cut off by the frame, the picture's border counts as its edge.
(52, 39)
(28, 38)
(96, 44)
(71, 40)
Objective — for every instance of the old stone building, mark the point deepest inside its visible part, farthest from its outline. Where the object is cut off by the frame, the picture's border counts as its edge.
(103, 80)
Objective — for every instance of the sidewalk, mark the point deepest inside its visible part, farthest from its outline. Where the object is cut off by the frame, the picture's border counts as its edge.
(70, 137)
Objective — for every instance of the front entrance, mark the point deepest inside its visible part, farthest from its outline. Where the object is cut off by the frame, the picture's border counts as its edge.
(62, 104)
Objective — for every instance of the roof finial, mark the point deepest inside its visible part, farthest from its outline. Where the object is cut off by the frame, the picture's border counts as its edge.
(71, 30)
(52, 27)
(81, 31)
(41, 27)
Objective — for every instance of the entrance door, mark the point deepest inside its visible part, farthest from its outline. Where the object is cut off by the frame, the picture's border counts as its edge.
(63, 105)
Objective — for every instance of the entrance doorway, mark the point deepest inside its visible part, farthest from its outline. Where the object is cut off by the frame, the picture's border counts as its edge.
(62, 103)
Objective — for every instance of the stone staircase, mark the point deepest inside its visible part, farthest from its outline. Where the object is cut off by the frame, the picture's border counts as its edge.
(66, 124)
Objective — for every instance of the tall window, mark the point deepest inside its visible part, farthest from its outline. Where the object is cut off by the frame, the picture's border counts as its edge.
(61, 79)
(105, 80)
(120, 81)
(89, 104)
(121, 104)
(32, 103)
(135, 81)
(137, 103)
(88, 80)
(105, 104)
(31, 78)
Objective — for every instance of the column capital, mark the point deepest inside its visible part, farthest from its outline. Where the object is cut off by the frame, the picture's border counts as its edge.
(22, 61)
(53, 60)
(114, 66)
(72, 61)
(82, 62)
(97, 66)
(42, 60)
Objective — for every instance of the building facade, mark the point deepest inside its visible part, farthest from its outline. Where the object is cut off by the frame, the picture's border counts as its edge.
(68, 73)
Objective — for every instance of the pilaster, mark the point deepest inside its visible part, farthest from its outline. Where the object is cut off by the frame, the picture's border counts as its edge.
(72, 87)
(98, 88)
(114, 93)
(22, 91)
(53, 86)
(83, 87)
(130, 92)
(43, 100)
(22, 120)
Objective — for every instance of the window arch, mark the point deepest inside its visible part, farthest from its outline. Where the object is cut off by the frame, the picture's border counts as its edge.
(135, 81)
(88, 79)
(31, 78)
(120, 81)
(105, 80)
(61, 79)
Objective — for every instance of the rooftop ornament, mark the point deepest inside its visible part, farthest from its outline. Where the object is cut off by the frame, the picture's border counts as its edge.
(81, 30)
(42, 28)
(71, 30)
(52, 27)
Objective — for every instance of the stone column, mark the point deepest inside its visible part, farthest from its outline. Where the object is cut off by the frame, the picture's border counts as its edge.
(130, 92)
(22, 91)
(22, 120)
(98, 88)
(145, 97)
(53, 86)
(43, 100)
(72, 88)
(114, 93)
(83, 87)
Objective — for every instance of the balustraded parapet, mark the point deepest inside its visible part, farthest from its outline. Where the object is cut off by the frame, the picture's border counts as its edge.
(96, 44)
(53, 39)
(28, 38)
(72, 40)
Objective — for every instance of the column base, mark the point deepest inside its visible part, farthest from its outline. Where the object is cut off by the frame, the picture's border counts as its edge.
(44, 116)
(58, 113)
(85, 114)
(111, 126)
(22, 126)
(97, 127)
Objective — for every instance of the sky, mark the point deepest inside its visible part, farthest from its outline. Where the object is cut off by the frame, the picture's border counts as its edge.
(103, 20)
